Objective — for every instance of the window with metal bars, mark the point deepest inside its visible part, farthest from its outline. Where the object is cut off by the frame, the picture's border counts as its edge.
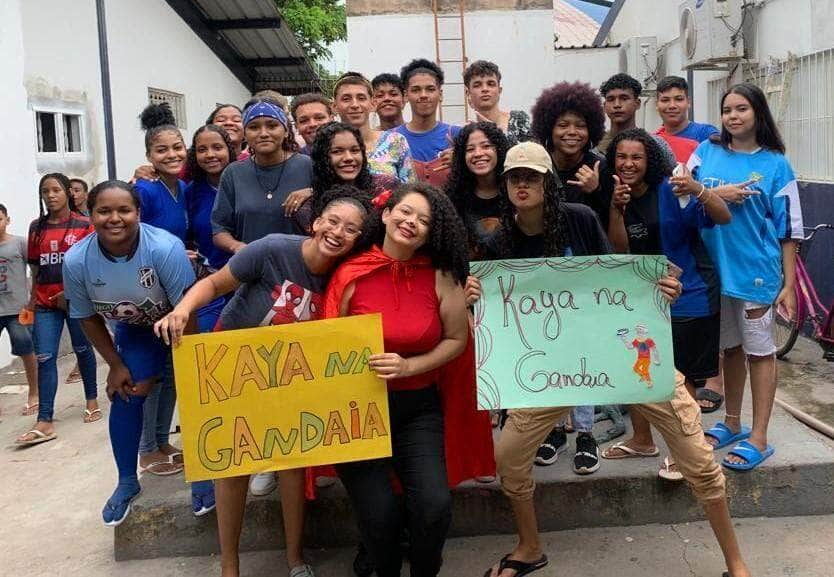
(175, 100)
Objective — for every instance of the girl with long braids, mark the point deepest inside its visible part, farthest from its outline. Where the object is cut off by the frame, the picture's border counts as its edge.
(265, 272)
(413, 272)
(162, 204)
(474, 184)
(212, 150)
(51, 235)
(146, 271)
(647, 218)
(537, 224)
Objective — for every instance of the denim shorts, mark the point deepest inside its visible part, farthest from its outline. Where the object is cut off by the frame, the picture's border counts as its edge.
(142, 352)
(20, 335)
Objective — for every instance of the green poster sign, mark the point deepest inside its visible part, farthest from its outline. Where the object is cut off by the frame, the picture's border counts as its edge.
(572, 331)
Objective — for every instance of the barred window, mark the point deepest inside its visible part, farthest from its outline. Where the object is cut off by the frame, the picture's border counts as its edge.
(175, 100)
(800, 91)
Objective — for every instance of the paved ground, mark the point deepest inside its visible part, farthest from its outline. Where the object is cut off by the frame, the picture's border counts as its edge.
(51, 496)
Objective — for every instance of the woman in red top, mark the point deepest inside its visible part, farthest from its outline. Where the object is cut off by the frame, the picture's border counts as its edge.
(414, 275)
(50, 236)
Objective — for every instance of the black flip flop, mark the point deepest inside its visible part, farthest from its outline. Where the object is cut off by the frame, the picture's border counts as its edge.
(704, 394)
(520, 567)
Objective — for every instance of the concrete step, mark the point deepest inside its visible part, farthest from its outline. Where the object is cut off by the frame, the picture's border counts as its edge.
(798, 480)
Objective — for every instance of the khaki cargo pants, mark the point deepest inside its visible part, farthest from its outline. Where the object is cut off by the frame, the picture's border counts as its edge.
(678, 420)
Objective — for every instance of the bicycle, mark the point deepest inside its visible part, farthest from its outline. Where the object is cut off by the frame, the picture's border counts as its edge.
(809, 308)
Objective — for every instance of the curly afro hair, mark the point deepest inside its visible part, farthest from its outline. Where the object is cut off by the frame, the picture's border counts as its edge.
(446, 244)
(576, 97)
(555, 224)
(324, 176)
(656, 164)
(460, 187)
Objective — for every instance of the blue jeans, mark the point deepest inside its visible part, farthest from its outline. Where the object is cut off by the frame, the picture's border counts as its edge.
(49, 324)
(159, 410)
(583, 419)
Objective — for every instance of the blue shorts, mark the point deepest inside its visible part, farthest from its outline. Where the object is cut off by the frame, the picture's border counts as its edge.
(20, 335)
(143, 353)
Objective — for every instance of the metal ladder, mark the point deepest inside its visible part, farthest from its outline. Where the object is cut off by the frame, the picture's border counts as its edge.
(450, 50)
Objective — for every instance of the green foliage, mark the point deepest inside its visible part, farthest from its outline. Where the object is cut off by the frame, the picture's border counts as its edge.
(316, 24)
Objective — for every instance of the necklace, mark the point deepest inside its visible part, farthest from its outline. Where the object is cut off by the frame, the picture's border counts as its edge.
(265, 188)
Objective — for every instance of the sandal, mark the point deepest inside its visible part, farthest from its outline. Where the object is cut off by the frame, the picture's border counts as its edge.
(161, 468)
(704, 394)
(176, 458)
(520, 567)
(302, 571)
(117, 507)
(39, 437)
(627, 452)
(29, 410)
(750, 453)
(722, 433)
(667, 473)
(92, 416)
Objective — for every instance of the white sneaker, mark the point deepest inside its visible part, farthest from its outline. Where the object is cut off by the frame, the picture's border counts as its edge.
(262, 484)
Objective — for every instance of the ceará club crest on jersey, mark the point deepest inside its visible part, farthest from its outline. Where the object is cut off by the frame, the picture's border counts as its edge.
(147, 277)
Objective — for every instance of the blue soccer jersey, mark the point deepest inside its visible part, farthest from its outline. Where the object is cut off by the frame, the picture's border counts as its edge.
(162, 207)
(748, 251)
(138, 289)
(697, 131)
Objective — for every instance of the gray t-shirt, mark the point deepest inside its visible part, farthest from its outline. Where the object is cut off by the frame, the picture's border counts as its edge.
(277, 287)
(242, 206)
(14, 289)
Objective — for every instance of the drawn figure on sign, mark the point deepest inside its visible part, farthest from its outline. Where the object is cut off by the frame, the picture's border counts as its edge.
(646, 352)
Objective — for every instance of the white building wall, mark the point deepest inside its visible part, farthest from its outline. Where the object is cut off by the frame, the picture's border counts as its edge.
(150, 46)
(49, 58)
(520, 42)
(17, 161)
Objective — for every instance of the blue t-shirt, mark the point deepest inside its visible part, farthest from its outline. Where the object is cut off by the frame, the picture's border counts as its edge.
(425, 146)
(159, 208)
(138, 289)
(748, 251)
(655, 223)
(697, 131)
(199, 200)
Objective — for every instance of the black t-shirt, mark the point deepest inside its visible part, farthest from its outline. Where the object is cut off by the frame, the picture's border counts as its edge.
(642, 224)
(599, 200)
(481, 217)
(585, 236)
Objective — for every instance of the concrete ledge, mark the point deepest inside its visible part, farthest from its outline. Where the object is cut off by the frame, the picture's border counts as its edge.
(798, 480)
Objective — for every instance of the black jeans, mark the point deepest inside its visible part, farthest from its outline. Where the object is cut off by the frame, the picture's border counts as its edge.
(420, 464)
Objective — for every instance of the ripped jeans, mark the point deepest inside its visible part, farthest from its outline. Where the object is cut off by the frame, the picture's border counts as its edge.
(49, 324)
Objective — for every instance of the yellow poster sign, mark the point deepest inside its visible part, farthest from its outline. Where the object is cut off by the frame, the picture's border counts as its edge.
(281, 397)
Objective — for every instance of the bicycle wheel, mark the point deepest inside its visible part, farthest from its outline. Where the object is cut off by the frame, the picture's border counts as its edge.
(785, 332)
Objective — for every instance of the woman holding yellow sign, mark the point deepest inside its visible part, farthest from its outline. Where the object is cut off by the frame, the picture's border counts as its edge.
(281, 279)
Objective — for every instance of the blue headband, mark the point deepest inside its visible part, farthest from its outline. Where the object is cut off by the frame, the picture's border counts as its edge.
(264, 108)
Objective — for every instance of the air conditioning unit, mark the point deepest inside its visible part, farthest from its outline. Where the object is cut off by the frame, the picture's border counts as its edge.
(711, 33)
(638, 59)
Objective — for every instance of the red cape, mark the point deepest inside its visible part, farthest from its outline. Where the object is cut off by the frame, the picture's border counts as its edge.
(468, 431)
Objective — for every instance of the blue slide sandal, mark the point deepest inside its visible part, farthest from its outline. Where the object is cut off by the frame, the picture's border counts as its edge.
(749, 453)
(725, 437)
